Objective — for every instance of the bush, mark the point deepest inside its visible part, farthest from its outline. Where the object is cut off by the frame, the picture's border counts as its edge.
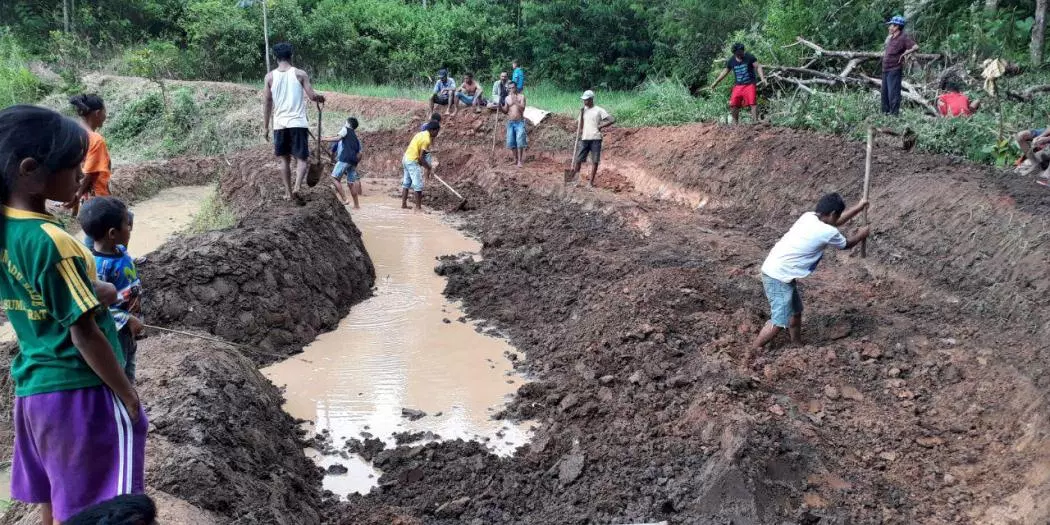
(18, 85)
(141, 115)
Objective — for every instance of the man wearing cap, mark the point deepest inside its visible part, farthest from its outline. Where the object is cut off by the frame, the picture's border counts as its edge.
(444, 90)
(592, 120)
(898, 46)
(744, 65)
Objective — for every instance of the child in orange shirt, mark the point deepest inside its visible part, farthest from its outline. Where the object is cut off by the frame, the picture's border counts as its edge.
(97, 165)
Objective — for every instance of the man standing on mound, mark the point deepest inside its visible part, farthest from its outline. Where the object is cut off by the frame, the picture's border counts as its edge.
(284, 99)
(744, 65)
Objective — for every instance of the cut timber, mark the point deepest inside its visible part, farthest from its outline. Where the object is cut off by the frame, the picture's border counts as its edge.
(863, 55)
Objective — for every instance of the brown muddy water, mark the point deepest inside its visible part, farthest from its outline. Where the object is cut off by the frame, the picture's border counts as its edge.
(403, 348)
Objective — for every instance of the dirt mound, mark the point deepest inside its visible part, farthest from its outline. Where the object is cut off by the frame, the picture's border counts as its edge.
(141, 181)
(276, 280)
(219, 438)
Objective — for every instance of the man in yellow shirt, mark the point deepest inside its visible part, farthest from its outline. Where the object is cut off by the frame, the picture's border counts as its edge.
(415, 160)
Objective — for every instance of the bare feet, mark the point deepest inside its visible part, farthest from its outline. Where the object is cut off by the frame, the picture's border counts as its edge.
(405, 207)
(520, 165)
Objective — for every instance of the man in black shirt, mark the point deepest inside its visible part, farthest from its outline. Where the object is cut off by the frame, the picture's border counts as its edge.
(744, 65)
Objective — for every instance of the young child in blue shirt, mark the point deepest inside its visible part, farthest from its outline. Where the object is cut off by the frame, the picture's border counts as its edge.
(107, 221)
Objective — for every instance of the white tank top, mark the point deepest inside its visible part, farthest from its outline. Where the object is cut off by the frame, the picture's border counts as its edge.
(289, 100)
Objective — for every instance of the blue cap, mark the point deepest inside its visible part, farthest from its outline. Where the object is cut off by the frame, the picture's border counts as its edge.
(897, 20)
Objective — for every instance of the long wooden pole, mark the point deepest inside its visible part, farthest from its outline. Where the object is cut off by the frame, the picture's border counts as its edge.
(266, 36)
(867, 186)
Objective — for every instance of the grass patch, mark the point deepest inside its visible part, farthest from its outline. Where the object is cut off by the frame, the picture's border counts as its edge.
(214, 214)
(18, 85)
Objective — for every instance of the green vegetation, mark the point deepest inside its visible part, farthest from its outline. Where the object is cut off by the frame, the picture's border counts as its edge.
(649, 61)
(214, 214)
(18, 85)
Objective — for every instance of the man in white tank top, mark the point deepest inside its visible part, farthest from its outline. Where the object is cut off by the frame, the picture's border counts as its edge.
(284, 99)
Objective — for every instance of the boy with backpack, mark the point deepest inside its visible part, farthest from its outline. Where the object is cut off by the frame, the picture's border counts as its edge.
(347, 148)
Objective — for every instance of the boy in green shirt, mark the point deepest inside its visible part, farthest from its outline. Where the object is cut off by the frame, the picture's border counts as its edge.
(80, 432)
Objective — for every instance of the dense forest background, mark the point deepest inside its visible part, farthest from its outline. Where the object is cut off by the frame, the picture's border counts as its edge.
(650, 59)
(611, 44)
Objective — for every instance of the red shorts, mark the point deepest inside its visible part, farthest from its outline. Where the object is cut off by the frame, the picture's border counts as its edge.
(743, 96)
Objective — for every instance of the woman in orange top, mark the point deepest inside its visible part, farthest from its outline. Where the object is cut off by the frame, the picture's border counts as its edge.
(97, 165)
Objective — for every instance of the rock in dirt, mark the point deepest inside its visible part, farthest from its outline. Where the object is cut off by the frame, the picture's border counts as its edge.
(337, 469)
(571, 466)
(831, 392)
(452, 509)
(852, 393)
(413, 414)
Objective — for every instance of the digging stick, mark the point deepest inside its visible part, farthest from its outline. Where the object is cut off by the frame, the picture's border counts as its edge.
(220, 341)
(867, 186)
(576, 144)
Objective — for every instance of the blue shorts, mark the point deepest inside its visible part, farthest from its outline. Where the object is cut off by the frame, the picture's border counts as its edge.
(467, 99)
(413, 175)
(347, 168)
(784, 300)
(1036, 132)
(516, 135)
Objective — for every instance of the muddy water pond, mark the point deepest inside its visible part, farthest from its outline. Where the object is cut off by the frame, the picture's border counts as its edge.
(405, 348)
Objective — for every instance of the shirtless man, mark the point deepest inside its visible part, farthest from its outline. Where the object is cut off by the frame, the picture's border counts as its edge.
(284, 100)
(470, 94)
(515, 110)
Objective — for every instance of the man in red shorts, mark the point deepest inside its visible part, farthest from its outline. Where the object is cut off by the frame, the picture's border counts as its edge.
(744, 65)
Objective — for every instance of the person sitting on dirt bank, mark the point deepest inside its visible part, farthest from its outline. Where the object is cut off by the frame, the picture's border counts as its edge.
(469, 94)
(796, 255)
(744, 95)
(444, 90)
(593, 119)
(517, 140)
(955, 103)
(348, 156)
(79, 428)
(1029, 141)
(417, 156)
(284, 98)
(108, 222)
(499, 90)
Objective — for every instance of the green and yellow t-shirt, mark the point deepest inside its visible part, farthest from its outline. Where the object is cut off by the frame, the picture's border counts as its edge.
(420, 143)
(45, 286)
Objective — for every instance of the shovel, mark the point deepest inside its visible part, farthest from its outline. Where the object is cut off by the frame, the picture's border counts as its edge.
(462, 200)
(570, 173)
(313, 175)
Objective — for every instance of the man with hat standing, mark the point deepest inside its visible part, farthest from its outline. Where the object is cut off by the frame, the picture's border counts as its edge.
(898, 46)
(744, 65)
(593, 119)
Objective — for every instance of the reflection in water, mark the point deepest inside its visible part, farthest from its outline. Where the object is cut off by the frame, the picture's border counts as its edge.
(404, 347)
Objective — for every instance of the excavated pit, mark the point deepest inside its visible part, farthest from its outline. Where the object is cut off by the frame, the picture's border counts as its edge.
(919, 398)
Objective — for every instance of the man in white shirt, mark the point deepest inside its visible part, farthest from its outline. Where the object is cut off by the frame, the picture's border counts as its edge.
(284, 100)
(593, 120)
(796, 255)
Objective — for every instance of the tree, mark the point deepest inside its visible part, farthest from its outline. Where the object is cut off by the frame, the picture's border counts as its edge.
(266, 25)
(157, 62)
(1038, 33)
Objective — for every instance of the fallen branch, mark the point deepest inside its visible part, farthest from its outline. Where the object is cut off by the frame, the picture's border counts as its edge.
(1029, 93)
(862, 55)
(815, 74)
(909, 93)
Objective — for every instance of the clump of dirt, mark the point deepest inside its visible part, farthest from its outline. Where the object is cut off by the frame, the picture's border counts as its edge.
(281, 276)
(218, 436)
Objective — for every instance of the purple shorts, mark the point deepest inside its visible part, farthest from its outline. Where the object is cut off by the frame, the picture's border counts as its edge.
(76, 448)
